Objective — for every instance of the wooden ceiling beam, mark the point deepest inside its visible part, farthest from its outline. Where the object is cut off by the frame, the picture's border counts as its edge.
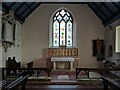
(100, 10)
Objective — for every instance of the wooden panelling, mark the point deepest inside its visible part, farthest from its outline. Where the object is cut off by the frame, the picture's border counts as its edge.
(58, 52)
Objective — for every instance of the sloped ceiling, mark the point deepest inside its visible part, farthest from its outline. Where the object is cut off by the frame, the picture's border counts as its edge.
(108, 12)
(22, 9)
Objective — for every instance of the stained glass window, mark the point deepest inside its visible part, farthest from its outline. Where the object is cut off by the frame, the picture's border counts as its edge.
(62, 29)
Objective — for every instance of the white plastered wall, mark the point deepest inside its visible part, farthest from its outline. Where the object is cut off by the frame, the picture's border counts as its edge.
(35, 33)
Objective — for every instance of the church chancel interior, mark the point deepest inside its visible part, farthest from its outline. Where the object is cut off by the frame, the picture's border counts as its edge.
(60, 44)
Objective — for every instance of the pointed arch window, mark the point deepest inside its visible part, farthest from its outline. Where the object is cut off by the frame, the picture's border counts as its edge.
(62, 29)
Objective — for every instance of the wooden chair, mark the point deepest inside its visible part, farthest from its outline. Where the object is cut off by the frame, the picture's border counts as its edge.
(30, 65)
(12, 63)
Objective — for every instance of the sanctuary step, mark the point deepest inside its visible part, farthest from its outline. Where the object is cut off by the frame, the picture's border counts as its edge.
(56, 74)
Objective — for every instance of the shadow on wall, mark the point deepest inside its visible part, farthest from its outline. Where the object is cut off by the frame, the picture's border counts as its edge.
(40, 63)
(44, 53)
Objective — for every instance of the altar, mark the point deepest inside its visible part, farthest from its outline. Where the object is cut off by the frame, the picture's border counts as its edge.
(63, 57)
(70, 60)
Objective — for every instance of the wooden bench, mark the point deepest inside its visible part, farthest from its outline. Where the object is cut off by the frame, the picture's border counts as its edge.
(112, 82)
(99, 70)
(47, 70)
(2, 84)
(21, 81)
(25, 71)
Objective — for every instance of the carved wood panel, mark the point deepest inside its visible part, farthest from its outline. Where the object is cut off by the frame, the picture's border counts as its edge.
(58, 52)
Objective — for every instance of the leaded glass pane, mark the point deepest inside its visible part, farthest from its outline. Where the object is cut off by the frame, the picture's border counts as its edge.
(62, 33)
(56, 33)
(62, 12)
(57, 14)
(69, 33)
(66, 17)
(54, 18)
(59, 18)
(68, 14)
(62, 29)
(70, 18)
